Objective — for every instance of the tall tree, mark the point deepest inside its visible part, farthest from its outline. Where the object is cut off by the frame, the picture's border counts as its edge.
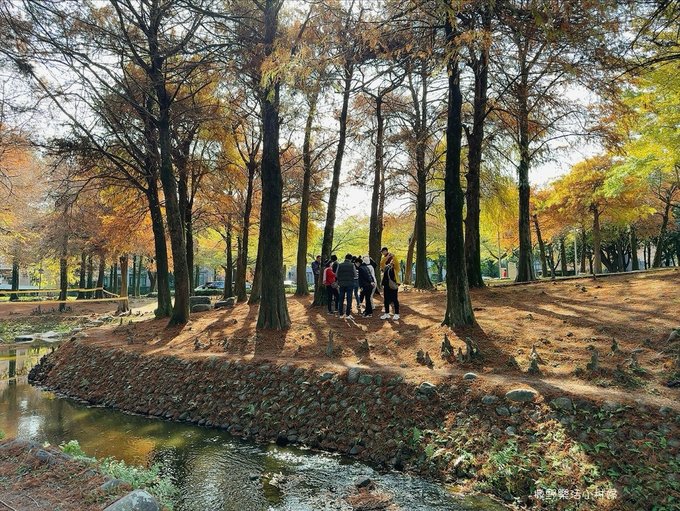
(273, 311)
(458, 304)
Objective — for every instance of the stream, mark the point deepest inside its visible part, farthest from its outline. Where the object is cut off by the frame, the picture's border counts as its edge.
(213, 470)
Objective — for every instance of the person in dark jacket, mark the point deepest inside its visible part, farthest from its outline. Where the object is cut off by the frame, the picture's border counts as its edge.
(391, 295)
(334, 263)
(367, 284)
(316, 270)
(346, 276)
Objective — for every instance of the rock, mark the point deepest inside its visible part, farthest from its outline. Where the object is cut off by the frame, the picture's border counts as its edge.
(611, 406)
(665, 410)
(674, 336)
(353, 374)
(48, 335)
(469, 376)
(357, 449)
(43, 455)
(503, 411)
(521, 395)
(510, 431)
(200, 307)
(138, 500)
(365, 379)
(363, 482)
(490, 399)
(562, 403)
(111, 484)
(427, 389)
(326, 376)
(195, 300)
(227, 302)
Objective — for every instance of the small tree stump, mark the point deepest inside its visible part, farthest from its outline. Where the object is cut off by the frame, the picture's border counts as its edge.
(594, 364)
(535, 356)
(533, 367)
(330, 348)
(447, 348)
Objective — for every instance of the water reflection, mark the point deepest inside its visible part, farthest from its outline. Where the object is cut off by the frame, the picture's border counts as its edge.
(214, 471)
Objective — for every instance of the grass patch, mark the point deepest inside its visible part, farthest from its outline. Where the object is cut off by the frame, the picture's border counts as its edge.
(149, 479)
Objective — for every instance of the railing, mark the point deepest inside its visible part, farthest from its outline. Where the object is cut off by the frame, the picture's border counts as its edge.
(109, 297)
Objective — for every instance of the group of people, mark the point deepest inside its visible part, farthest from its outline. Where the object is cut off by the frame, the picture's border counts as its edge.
(358, 277)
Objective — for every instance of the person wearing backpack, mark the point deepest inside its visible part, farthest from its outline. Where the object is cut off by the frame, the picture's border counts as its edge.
(367, 285)
(390, 289)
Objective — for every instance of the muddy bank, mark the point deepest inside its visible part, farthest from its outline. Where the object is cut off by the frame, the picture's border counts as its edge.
(609, 456)
(37, 477)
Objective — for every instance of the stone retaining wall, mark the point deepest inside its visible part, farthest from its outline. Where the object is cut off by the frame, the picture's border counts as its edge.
(368, 415)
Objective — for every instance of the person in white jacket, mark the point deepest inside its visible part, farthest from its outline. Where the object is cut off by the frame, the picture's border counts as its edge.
(367, 261)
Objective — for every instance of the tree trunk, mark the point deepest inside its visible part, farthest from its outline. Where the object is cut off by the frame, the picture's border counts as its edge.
(138, 280)
(82, 276)
(242, 264)
(541, 246)
(63, 280)
(597, 241)
(256, 288)
(458, 305)
(525, 265)
(176, 228)
(302, 286)
(329, 229)
(228, 270)
(162, 280)
(152, 280)
(408, 271)
(90, 275)
(134, 275)
(480, 68)
(114, 278)
(273, 313)
(100, 277)
(15, 279)
(375, 222)
(190, 250)
(420, 231)
(583, 251)
(124, 279)
(563, 257)
(658, 253)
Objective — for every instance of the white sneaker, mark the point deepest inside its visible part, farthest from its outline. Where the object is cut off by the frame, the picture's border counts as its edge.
(342, 316)
(349, 316)
(385, 316)
(395, 317)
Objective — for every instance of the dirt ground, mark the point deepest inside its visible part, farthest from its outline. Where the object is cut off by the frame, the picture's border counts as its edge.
(567, 321)
(34, 478)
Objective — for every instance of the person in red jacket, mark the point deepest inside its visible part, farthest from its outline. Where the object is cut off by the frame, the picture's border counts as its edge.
(331, 284)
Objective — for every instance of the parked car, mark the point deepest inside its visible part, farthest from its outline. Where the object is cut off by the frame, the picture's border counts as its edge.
(218, 284)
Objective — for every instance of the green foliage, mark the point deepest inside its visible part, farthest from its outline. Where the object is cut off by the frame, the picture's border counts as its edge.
(2, 434)
(149, 479)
